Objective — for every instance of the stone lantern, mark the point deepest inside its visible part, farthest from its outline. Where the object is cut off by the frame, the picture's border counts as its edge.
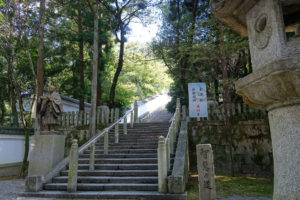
(273, 29)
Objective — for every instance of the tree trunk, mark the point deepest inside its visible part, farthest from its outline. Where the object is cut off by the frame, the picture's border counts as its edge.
(40, 63)
(81, 59)
(12, 93)
(119, 69)
(92, 126)
(99, 94)
(226, 95)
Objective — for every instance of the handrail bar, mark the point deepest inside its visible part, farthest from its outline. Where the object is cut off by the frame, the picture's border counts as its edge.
(62, 164)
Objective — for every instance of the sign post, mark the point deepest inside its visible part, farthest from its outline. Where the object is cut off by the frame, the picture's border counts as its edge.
(197, 100)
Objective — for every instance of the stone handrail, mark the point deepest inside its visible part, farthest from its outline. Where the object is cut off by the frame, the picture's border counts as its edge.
(179, 176)
(166, 148)
(62, 165)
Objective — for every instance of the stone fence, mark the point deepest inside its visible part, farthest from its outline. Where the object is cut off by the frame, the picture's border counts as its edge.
(240, 111)
(252, 146)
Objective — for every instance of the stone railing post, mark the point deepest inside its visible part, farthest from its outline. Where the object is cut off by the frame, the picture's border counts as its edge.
(162, 165)
(178, 103)
(76, 118)
(63, 119)
(85, 118)
(184, 112)
(68, 119)
(117, 125)
(106, 115)
(99, 110)
(168, 153)
(72, 118)
(73, 167)
(125, 125)
(206, 172)
(92, 157)
(131, 118)
(106, 142)
(111, 115)
(80, 121)
(172, 139)
(136, 111)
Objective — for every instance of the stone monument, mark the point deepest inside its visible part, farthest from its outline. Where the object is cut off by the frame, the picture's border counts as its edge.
(46, 149)
(274, 84)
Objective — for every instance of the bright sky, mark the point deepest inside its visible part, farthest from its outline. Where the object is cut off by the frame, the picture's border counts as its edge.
(145, 34)
(141, 33)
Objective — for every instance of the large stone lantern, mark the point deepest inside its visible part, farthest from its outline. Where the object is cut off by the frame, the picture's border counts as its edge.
(274, 84)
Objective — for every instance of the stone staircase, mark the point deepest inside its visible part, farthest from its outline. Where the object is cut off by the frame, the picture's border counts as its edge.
(128, 171)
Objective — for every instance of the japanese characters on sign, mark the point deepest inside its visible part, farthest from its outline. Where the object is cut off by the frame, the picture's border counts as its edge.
(197, 100)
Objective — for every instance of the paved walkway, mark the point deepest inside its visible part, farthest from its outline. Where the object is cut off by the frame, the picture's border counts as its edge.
(10, 189)
(160, 115)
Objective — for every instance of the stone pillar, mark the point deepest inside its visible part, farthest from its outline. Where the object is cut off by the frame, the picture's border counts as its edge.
(168, 153)
(117, 125)
(136, 111)
(98, 113)
(184, 112)
(162, 165)
(274, 84)
(106, 142)
(178, 103)
(125, 125)
(112, 115)
(131, 119)
(92, 157)
(73, 167)
(46, 151)
(206, 172)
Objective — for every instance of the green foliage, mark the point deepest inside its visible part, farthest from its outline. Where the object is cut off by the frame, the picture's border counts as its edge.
(189, 45)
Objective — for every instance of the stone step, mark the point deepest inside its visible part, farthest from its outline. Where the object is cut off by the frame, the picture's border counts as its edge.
(144, 155)
(119, 160)
(135, 151)
(114, 172)
(120, 166)
(146, 195)
(105, 187)
(128, 147)
(109, 179)
(112, 143)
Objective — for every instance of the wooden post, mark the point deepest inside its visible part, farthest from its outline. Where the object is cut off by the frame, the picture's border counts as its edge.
(117, 125)
(125, 125)
(73, 167)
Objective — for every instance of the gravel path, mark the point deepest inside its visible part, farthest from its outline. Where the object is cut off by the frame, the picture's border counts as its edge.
(10, 189)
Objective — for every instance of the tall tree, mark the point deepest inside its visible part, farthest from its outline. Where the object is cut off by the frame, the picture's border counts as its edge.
(40, 62)
(92, 126)
(124, 12)
(81, 56)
